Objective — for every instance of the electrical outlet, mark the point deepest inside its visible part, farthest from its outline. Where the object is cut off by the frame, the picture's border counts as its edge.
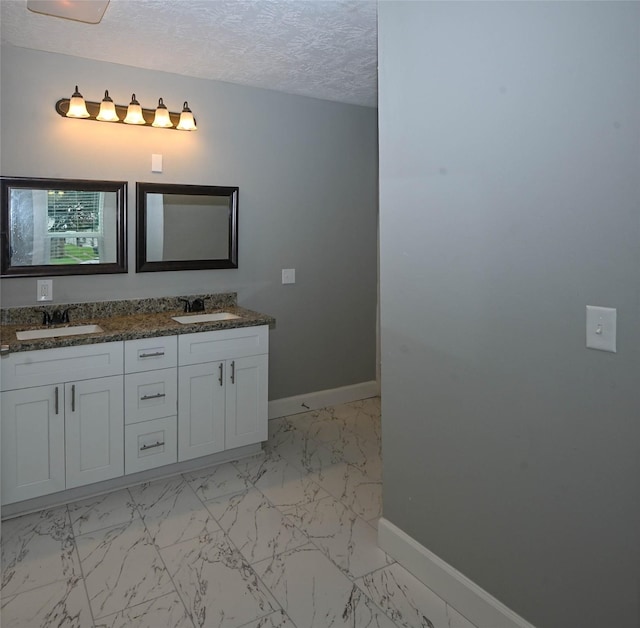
(45, 290)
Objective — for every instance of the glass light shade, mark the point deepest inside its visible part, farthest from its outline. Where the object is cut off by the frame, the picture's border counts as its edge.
(107, 109)
(134, 112)
(187, 121)
(77, 106)
(162, 118)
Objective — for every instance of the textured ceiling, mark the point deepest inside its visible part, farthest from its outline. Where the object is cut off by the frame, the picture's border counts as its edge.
(321, 48)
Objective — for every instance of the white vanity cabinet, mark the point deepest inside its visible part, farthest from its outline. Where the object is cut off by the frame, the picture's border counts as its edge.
(222, 390)
(62, 419)
(78, 415)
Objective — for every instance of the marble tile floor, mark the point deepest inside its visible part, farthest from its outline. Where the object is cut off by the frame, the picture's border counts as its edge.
(284, 540)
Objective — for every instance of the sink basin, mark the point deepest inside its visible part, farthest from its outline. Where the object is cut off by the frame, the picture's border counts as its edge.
(74, 330)
(204, 318)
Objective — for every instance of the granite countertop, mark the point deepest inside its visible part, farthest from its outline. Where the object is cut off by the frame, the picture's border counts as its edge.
(124, 320)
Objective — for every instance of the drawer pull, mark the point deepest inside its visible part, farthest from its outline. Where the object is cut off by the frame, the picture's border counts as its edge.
(145, 397)
(56, 400)
(151, 355)
(233, 372)
(158, 444)
(220, 378)
(73, 397)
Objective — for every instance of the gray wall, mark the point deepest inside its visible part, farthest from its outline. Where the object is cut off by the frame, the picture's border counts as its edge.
(510, 199)
(307, 173)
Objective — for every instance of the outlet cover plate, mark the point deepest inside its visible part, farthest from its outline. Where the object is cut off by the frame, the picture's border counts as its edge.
(45, 290)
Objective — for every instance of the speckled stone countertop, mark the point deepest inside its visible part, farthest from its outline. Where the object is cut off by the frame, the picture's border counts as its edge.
(123, 320)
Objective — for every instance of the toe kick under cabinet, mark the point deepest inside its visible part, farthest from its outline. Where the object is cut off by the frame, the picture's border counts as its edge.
(78, 415)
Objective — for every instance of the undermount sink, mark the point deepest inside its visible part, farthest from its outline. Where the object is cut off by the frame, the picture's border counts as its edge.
(205, 318)
(74, 330)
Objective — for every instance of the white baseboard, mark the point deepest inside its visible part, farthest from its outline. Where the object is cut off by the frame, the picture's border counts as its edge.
(478, 606)
(322, 399)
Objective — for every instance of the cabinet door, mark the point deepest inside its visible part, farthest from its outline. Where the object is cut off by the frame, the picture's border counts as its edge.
(94, 435)
(201, 402)
(247, 414)
(32, 442)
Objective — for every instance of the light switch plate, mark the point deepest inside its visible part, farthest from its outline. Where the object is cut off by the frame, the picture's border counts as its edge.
(288, 275)
(156, 163)
(601, 328)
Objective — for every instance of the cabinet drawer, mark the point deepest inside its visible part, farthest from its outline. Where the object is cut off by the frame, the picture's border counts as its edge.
(209, 346)
(52, 366)
(150, 444)
(149, 354)
(150, 395)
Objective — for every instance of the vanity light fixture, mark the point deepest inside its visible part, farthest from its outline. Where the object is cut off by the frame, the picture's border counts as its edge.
(134, 112)
(187, 121)
(77, 106)
(162, 118)
(108, 111)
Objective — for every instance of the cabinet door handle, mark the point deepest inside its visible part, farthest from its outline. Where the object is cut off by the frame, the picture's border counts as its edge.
(151, 355)
(158, 444)
(220, 377)
(73, 397)
(56, 400)
(145, 397)
(233, 372)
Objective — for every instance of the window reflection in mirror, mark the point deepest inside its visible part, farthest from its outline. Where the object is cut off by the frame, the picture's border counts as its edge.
(61, 227)
(186, 227)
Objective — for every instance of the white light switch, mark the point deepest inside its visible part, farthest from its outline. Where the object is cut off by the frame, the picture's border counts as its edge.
(601, 328)
(156, 163)
(45, 290)
(288, 275)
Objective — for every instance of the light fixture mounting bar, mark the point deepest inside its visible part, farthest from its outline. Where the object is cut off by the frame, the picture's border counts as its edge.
(62, 106)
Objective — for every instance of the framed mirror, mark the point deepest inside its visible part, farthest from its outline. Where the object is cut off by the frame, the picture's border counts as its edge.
(62, 227)
(186, 227)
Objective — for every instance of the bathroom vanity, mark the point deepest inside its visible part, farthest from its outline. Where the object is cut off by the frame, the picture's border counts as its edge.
(139, 399)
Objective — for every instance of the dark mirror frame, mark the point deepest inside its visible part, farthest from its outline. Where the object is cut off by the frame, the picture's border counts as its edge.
(142, 189)
(52, 270)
